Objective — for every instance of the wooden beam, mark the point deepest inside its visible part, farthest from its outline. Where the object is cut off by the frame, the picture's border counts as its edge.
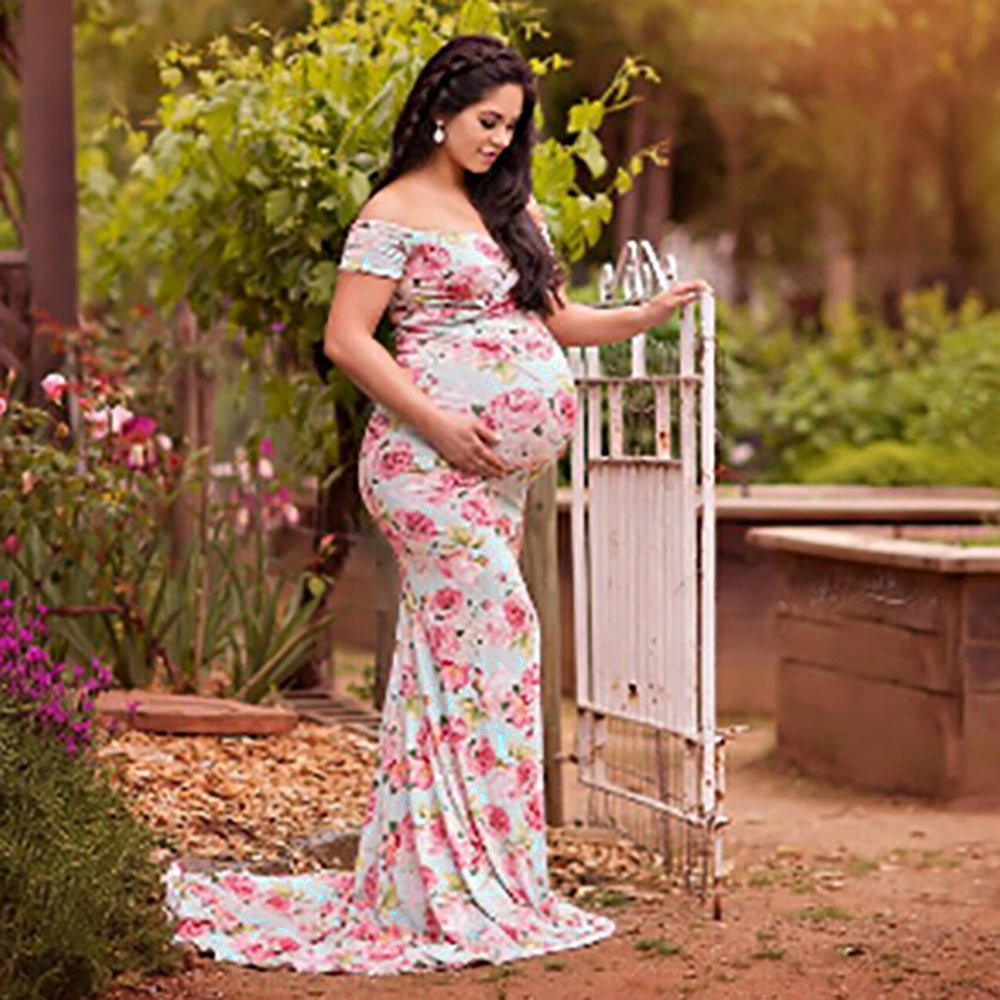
(540, 566)
(47, 129)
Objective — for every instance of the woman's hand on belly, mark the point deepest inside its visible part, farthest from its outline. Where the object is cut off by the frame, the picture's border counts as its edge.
(467, 443)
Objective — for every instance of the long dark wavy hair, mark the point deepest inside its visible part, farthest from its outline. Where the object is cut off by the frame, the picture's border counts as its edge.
(460, 73)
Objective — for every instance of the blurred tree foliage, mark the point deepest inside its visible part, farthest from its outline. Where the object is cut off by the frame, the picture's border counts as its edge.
(848, 145)
(852, 143)
(917, 405)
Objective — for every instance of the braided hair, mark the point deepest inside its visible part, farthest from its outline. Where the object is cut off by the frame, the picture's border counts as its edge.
(460, 73)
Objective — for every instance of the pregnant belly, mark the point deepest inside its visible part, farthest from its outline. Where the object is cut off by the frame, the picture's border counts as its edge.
(530, 404)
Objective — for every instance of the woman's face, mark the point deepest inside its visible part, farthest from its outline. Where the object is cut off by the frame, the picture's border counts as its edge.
(478, 134)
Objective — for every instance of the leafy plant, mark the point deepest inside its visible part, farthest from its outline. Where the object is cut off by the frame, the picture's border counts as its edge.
(80, 894)
(865, 403)
(263, 153)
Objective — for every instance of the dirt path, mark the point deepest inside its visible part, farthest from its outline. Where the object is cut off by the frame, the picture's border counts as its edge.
(832, 894)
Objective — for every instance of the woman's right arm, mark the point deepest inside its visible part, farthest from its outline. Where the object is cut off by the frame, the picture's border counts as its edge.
(349, 342)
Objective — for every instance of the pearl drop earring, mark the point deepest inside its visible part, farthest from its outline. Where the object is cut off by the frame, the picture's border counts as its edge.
(439, 133)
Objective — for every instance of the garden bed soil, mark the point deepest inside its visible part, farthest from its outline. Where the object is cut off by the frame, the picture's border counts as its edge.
(832, 894)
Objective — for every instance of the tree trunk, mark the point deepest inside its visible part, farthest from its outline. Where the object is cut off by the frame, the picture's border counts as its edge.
(627, 216)
(967, 245)
(732, 125)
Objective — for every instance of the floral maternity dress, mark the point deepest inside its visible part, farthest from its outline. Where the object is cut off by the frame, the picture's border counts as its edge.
(452, 863)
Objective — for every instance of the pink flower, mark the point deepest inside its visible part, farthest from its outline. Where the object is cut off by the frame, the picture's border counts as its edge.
(192, 928)
(454, 675)
(484, 758)
(477, 511)
(490, 347)
(275, 901)
(119, 418)
(419, 525)
(564, 405)
(395, 459)
(519, 712)
(438, 831)
(527, 774)
(54, 386)
(428, 262)
(517, 615)
(3, 405)
(239, 883)
(534, 812)
(443, 640)
(455, 731)
(531, 677)
(421, 774)
(11, 545)
(498, 820)
(390, 848)
(99, 421)
(516, 411)
(257, 952)
(462, 286)
(378, 424)
(447, 601)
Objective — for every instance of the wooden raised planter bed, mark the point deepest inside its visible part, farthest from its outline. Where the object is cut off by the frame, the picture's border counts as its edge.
(889, 656)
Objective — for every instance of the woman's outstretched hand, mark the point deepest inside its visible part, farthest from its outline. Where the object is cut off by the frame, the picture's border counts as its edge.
(659, 308)
(467, 443)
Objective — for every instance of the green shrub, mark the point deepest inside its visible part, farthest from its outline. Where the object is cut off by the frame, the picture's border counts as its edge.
(902, 463)
(80, 895)
(863, 403)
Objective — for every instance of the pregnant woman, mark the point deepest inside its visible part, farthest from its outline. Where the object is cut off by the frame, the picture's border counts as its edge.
(476, 401)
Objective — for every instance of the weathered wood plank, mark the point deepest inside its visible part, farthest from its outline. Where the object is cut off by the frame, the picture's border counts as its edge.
(872, 650)
(873, 734)
(540, 565)
(981, 745)
(823, 588)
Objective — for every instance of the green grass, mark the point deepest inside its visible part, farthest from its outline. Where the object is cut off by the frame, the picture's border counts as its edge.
(860, 866)
(658, 946)
(761, 878)
(770, 954)
(937, 859)
(611, 897)
(818, 914)
(500, 973)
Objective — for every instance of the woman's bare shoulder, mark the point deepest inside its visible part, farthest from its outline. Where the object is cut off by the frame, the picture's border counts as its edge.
(393, 203)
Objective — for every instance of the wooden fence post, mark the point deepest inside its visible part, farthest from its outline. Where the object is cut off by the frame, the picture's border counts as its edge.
(540, 566)
(386, 614)
(49, 173)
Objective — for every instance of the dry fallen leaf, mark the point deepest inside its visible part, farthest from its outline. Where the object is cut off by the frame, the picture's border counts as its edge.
(252, 800)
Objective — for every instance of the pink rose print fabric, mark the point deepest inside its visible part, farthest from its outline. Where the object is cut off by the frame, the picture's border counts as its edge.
(452, 865)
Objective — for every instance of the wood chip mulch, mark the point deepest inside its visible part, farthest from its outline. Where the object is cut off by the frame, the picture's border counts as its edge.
(256, 801)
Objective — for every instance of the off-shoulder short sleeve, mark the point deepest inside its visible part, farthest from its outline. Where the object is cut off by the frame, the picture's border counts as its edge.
(376, 247)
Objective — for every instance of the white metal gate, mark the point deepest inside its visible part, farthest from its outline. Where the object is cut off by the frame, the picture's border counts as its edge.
(643, 528)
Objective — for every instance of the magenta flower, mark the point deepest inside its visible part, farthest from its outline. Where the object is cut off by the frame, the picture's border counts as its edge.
(57, 697)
